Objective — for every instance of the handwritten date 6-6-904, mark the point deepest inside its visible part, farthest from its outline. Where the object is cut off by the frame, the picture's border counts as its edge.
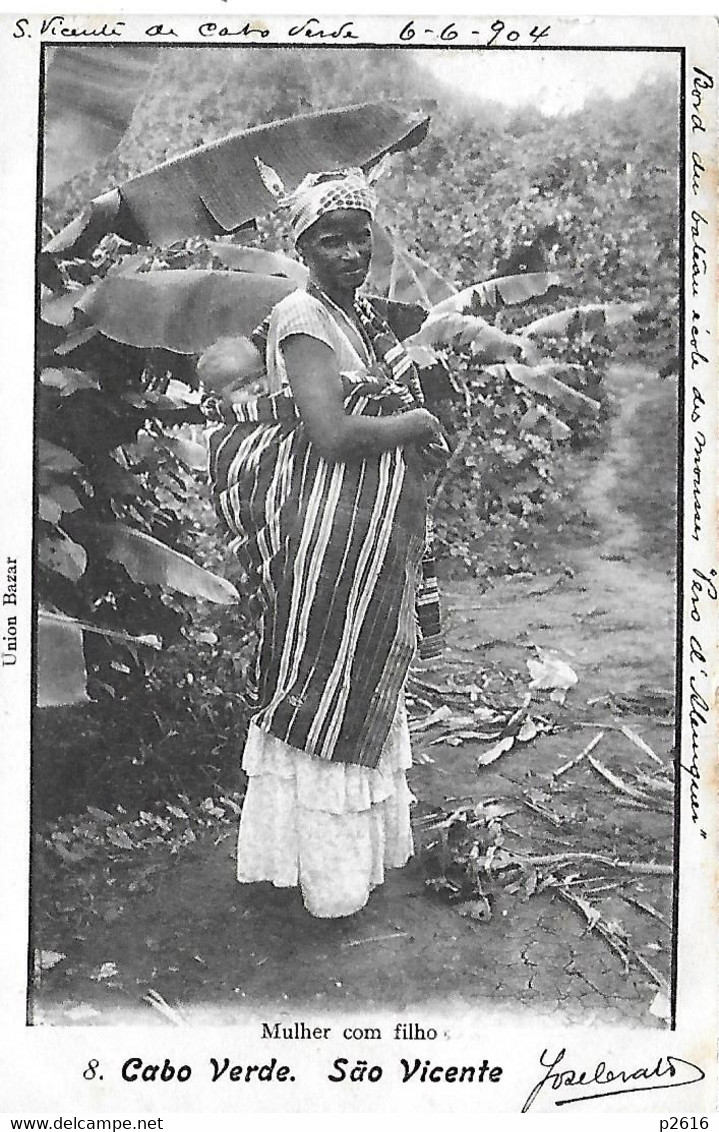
(497, 35)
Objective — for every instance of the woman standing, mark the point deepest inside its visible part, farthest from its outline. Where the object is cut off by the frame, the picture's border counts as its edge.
(320, 481)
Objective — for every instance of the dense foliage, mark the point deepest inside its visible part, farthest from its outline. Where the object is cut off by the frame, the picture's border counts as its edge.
(489, 193)
(596, 190)
(115, 456)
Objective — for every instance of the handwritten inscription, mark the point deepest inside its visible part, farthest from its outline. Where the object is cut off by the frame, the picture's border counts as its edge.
(496, 33)
(667, 1073)
(313, 29)
(703, 591)
(247, 30)
(699, 224)
(699, 446)
(701, 81)
(702, 587)
(54, 27)
(500, 33)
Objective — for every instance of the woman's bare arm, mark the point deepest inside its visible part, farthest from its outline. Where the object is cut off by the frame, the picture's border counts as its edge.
(317, 389)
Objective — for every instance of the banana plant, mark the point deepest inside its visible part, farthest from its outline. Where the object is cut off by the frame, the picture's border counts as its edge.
(62, 670)
(587, 319)
(116, 349)
(509, 290)
(217, 188)
(183, 311)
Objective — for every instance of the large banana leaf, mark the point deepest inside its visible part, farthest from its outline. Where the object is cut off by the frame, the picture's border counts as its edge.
(151, 562)
(401, 276)
(217, 188)
(79, 237)
(511, 290)
(260, 262)
(488, 343)
(540, 379)
(588, 318)
(191, 452)
(52, 458)
(61, 671)
(183, 311)
(558, 429)
(90, 96)
(61, 309)
(412, 281)
(58, 552)
(434, 285)
(57, 500)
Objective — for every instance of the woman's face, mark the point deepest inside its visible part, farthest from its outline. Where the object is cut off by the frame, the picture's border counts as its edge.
(337, 250)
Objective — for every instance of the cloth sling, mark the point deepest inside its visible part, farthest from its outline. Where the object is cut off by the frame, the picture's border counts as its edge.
(394, 364)
(332, 554)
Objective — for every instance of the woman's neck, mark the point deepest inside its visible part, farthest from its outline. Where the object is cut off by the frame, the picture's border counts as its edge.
(344, 299)
(352, 322)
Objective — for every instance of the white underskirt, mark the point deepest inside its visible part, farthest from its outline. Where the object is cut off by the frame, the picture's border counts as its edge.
(331, 827)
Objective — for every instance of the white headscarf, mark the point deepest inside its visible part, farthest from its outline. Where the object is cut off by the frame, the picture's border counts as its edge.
(319, 193)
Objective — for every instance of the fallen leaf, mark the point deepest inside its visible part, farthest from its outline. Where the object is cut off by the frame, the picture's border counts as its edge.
(492, 811)
(496, 751)
(101, 815)
(475, 910)
(592, 914)
(531, 881)
(660, 1007)
(230, 803)
(207, 638)
(105, 971)
(456, 738)
(527, 731)
(209, 807)
(157, 1002)
(550, 671)
(437, 716)
(639, 742)
(120, 838)
(485, 713)
(46, 960)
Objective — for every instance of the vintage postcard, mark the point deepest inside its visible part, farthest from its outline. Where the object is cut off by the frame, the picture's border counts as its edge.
(359, 574)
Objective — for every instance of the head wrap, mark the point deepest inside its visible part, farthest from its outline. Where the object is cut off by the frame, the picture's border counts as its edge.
(319, 193)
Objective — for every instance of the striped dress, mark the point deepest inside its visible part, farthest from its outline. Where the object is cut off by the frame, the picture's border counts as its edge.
(332, 554)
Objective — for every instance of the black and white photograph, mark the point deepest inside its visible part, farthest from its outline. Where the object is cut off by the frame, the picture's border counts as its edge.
(363, 577)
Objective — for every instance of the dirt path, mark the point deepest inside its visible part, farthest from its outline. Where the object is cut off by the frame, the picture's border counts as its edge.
(214, 948)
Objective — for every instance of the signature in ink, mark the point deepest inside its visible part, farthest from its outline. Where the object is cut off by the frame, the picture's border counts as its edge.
(668, 1073)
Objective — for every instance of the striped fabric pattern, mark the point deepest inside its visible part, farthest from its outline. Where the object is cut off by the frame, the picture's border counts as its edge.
(333, 554)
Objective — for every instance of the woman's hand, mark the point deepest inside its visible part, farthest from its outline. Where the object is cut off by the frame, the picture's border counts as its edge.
(425, 426)
(317, 388)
